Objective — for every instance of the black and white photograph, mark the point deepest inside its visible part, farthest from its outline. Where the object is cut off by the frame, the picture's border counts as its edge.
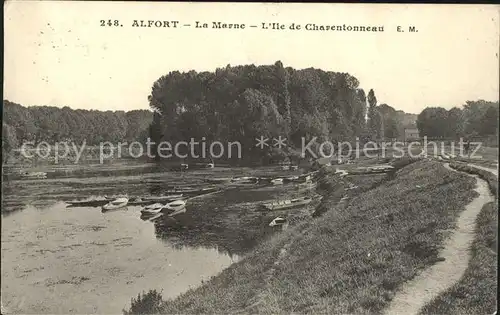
(249, 158)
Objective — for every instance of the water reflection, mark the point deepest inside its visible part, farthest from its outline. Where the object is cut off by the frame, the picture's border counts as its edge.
(70, 260)
(229, 221)
(66, 259)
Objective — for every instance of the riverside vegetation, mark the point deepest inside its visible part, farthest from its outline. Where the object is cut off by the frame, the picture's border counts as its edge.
(476, 292)
(352, 259)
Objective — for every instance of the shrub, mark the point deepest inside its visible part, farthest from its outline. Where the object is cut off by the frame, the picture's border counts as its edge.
(146, 303)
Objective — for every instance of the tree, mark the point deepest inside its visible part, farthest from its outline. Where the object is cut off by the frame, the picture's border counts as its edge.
(9, 141)
(375, 120)
(474, 112)
(455, 123)
(489, 121)
(53, 124)
(432, 122)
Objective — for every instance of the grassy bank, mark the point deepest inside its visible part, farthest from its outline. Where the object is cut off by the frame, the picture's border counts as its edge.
(349, 260)
(476, 292)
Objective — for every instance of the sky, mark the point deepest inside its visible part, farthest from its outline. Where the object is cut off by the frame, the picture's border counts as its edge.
(57, 54)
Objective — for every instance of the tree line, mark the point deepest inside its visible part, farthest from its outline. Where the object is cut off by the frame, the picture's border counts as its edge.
(475, 119)
(241, 103)
(53, 124)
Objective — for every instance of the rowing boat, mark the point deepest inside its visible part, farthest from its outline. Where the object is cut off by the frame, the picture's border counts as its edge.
(286, 204)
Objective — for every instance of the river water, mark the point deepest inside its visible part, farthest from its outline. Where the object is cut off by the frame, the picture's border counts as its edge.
(58, 259)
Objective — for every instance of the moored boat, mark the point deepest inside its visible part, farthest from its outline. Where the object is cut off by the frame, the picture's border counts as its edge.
(175, 205)
(88, 202)
(176, 212)
(33, 175)
(286, 204)
(191, 190)
(164, 198)
(219, 180)
(152, 209)
(277, 181)
(139, 202)
(279, 221)
(116, 204)
(245, 180)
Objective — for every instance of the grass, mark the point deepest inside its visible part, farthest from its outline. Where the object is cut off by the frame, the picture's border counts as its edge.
(349, 260)
(487, 176)
(476, 292)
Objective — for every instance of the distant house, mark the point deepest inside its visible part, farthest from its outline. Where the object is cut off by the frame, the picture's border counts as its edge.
(411, 134)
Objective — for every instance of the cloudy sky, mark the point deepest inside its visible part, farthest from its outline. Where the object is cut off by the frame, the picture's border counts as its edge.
(56, 53)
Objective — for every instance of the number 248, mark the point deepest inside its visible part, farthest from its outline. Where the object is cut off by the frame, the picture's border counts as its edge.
(110, 23)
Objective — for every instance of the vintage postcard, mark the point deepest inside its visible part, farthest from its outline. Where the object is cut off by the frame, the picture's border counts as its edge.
(243, 158)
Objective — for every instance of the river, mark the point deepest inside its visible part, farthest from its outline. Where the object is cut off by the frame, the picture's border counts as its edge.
(58, 259)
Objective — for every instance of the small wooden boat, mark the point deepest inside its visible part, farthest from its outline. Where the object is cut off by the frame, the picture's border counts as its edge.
(305, 178)
(33, 175)
(286, 204)
(172, 213)
(277, 181)
(175, 205)
(219, 180)
(180, 167)
(139, 202)
(292, 178)
(191, 190)
(152, 209)
(113, 197)
(279, 221)
(245, 180)
(164, 198)
(89, 202)
(341, 172)
(115, 204)
(154, 217)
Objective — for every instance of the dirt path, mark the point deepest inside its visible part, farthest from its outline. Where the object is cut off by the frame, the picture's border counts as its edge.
(441, 276)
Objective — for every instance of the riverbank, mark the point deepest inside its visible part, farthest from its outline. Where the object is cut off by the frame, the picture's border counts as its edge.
(476, 292)
(351, 259)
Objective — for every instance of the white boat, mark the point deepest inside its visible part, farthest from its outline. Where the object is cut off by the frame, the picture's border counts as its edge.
(153, 209)
(277, 181)
(278, 221)
(116, 204)
(245, 180)
(175, 205)
(188, 190)
(156, 216)
(176, 212)
(285, 204)
(341, 172)
(174, 208)
(33, 174)
(219, 180)
(89, 202)
(114, 197)
(164, 198)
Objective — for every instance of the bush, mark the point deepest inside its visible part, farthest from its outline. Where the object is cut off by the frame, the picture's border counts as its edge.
(403, 161)
(146, 303)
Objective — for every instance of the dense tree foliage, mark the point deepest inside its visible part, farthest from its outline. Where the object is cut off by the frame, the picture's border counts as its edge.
(245, 102)
(9, 140)
(52, 124)
(475, 119)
